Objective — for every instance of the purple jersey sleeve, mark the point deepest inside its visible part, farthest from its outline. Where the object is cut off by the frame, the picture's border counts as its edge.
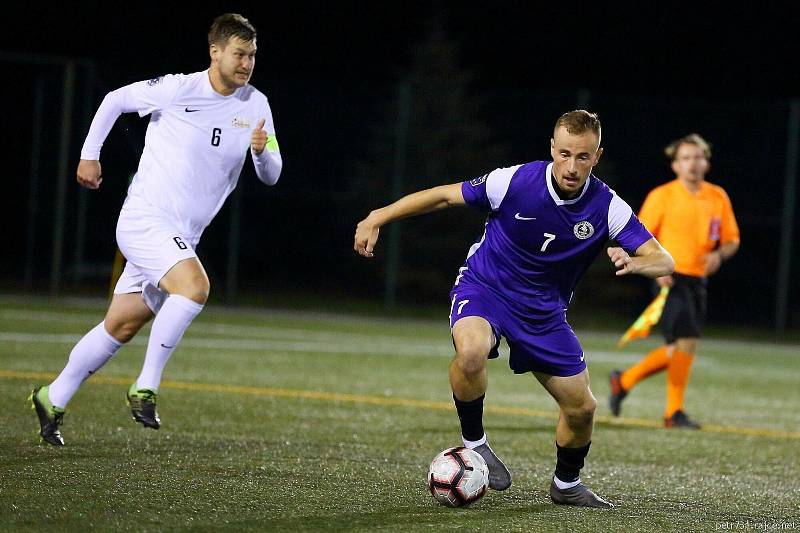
(488, 191)
(474, 192)
(633, 235)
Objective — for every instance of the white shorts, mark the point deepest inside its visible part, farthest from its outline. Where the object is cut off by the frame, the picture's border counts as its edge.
(152, 245)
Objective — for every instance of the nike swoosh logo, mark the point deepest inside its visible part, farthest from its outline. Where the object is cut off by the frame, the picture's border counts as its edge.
(165, 346)
(191, 110)
(520, 217)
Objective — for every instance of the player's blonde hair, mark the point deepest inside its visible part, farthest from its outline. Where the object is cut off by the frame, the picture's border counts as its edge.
(579, 121)
(230, 25)
(693, 138)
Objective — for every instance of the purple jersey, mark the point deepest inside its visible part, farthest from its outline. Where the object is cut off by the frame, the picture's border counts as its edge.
(536, 246)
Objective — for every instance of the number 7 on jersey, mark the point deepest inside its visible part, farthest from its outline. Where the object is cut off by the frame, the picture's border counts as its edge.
(549, 238)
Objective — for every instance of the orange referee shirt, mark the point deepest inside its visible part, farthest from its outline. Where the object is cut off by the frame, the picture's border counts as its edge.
(689, 225)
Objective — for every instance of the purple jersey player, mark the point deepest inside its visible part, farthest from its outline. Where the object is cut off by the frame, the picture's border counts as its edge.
(547, 221)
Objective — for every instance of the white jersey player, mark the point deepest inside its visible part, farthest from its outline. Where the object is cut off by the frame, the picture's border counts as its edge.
(201, 128)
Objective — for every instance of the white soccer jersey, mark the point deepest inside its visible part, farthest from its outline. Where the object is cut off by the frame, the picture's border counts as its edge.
(195, 145)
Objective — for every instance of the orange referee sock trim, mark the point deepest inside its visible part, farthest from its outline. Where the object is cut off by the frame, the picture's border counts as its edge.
(655, 361)
(678, 372)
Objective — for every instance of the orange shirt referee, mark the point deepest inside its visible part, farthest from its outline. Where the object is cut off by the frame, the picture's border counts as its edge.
(694, 221)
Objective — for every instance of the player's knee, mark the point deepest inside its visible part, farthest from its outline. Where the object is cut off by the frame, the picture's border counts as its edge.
(123, 330)
(197, 289)
(470, 363)
(471, 357)
(686, 345)
(581, 414)
(200, 291)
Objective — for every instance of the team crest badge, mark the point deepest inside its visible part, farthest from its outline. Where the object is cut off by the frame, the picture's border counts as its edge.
(477, 181)
(583, 230)
(239, 122)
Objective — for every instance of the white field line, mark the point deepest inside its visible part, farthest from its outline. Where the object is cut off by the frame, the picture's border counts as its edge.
(261, 345)
(346, 345)
(302, 333)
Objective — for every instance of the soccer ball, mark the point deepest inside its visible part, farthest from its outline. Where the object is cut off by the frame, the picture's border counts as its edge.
(458, 476)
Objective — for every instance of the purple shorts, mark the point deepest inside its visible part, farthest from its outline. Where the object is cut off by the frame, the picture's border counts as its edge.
(546, 345)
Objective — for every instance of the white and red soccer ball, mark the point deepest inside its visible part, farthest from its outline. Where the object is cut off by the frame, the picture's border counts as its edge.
(458, 476)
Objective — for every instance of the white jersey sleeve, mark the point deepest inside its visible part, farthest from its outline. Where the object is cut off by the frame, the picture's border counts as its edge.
(497, 184)
(619, 213)
(143, 97)
(268, 164)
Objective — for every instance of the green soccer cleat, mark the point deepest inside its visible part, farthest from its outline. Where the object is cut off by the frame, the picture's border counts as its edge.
(579, 495)
(50, 417)
(143, 406)
(499, 476)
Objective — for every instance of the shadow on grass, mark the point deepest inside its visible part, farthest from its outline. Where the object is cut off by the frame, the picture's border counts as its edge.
(424, 517)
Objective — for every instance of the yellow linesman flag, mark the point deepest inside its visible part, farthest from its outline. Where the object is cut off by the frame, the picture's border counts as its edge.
(649, 318)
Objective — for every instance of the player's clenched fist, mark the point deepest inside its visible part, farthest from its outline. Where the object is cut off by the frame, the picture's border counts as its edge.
(259, 137)
(621, 260)
(89, 173)
(366, 237)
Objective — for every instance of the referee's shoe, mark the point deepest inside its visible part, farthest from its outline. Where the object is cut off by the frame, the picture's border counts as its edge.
(617, 392)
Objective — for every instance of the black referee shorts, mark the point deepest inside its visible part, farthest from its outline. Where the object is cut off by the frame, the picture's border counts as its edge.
(685, 310)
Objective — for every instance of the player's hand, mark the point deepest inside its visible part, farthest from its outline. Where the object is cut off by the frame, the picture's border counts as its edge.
(259, 137)
(713, 262)
(621, 260)
(90, 175)
(665, 281)
(366, 236)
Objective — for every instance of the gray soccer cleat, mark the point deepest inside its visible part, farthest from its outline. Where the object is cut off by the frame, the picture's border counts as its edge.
(499, 476)
(579, 495)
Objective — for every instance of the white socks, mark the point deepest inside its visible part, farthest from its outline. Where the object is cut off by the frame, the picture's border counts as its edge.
(474, 443)
(86, 358)
(174, 317)
(565, 484)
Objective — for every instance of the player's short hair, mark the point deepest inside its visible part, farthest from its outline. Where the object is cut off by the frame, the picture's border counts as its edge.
(230, 25)
(671, 150)
(578, 122)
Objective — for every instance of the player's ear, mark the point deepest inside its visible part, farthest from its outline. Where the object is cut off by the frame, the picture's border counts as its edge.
(674, 166)
(214, 51)
(553, 148)
(597, 155)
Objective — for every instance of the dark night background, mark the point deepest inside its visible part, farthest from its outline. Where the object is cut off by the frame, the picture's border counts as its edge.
(487, 81)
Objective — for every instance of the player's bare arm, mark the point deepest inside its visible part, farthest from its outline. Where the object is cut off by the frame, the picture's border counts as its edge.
(650, 260)
(417, 203)
(259, 138)
(89, 173)
(715, 259)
